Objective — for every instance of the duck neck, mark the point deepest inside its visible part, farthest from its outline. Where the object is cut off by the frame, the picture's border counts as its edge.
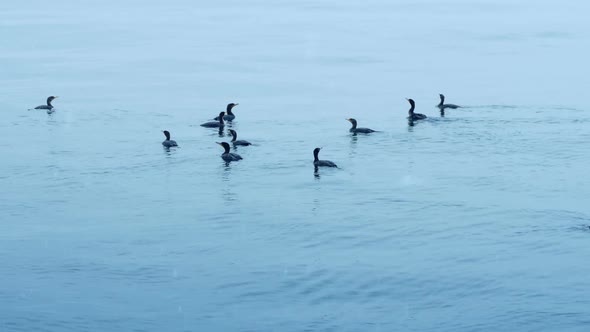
(49, 102)
(234, 136)
(226, 148)
(315, 155)
(442, 101)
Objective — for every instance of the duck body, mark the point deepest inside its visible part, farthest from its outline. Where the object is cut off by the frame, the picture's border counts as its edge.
(324, 163)
(231, 156)
(241, 142)
(321, 163)
(362, 130)
(215, 124)
(451, 106)
(229, 117)
(417, 116)
(169, 143)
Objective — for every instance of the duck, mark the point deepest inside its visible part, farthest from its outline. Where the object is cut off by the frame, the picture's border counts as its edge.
(442, 104)
(321, 163)
(235, 141)
(355, 130)
(168, 143)
(228, 156)
(414, 116)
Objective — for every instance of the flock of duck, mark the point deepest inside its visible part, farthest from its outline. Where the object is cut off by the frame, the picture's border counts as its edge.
(229, 116)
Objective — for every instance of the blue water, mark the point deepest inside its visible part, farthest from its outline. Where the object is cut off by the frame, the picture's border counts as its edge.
(477, 221)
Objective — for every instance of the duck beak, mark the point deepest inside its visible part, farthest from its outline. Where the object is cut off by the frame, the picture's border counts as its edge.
(236, 104)
(217, 143)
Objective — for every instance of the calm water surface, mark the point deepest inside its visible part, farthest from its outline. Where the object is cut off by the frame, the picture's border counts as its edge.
(477, 221)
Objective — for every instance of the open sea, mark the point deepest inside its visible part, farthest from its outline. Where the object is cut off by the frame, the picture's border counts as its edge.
(475, 221)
